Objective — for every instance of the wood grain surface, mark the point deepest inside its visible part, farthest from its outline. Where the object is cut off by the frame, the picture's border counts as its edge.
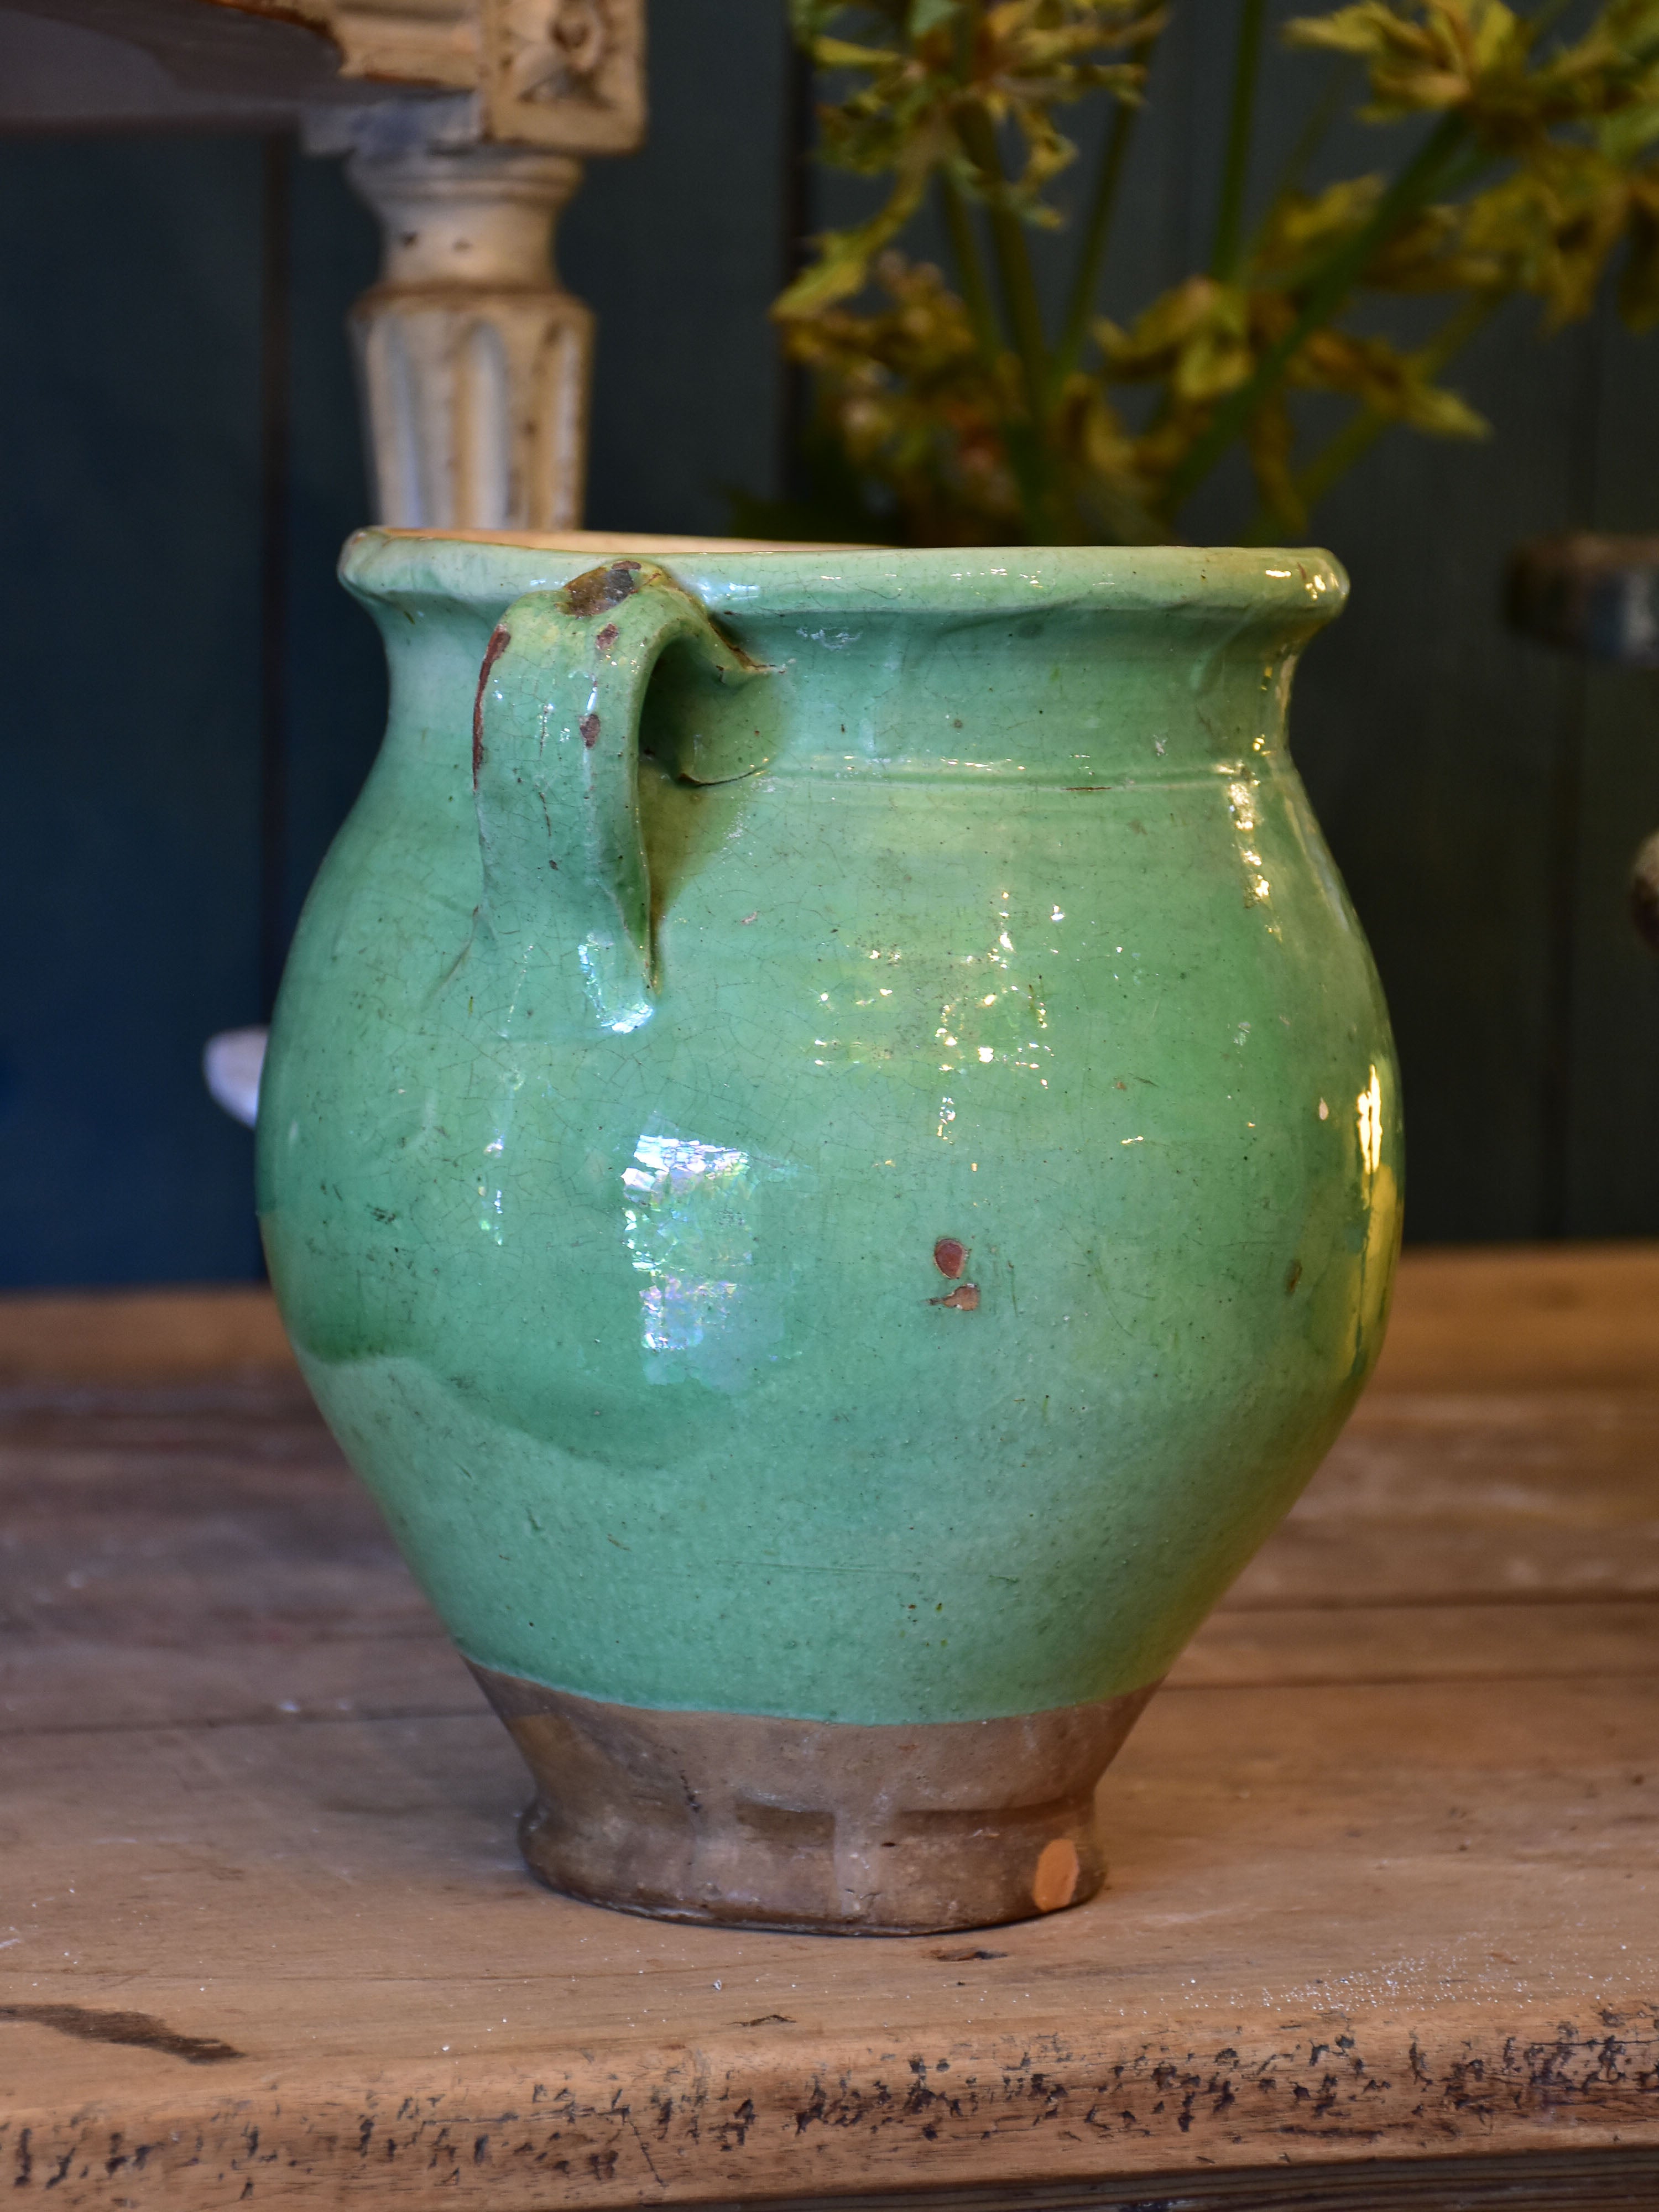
(1383, 1927)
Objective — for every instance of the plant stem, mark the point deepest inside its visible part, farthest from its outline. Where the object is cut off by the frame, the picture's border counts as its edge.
(1321, 301)
(1024, 455)
(1315, 131)
(1339, 88)
(1235, 163)
(1022, 439)
(1013, 263)
(1092, 253)
(1366, 425)
(970, 271)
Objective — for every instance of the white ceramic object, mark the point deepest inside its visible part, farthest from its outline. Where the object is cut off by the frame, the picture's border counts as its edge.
(232, 1062)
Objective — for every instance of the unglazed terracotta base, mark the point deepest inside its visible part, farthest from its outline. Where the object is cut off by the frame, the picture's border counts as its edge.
(823, 1825)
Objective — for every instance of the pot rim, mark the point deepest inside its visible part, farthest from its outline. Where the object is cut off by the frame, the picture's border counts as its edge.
(1303, 586)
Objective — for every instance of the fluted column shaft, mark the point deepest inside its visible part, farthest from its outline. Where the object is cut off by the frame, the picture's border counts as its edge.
(475, 360)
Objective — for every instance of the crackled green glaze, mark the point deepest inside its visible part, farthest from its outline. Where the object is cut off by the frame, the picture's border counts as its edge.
(613, 1116)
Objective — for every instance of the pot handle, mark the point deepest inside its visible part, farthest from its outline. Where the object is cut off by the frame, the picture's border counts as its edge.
(556, 730)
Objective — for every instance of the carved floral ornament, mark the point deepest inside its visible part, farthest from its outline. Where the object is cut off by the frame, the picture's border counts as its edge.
(568, 73)
(565, 74)
(576, 36)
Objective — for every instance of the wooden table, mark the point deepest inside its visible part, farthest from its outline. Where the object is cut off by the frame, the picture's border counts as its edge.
(1381, 1927)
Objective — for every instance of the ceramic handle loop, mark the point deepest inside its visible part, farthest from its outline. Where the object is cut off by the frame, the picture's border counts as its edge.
(556, 732)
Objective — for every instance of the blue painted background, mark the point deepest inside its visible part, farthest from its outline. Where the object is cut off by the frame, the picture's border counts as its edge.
(188, 703)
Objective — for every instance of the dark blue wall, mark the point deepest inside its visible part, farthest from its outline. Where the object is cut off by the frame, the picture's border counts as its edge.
(129, 393)
(187, 702)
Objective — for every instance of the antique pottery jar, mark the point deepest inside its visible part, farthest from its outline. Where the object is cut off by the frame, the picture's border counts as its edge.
(831, 1152)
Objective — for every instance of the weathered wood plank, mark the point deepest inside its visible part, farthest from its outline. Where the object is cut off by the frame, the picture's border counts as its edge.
(1247, 1649)
(1373, 1900)
(67, 1683)
(145, 1335)
(1381, 1929)
(1611, 2182)
(1438, 1498)
(62, 1682)
(1502, 1317)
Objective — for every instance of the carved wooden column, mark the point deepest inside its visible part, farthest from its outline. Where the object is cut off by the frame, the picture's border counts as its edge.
(474, 359)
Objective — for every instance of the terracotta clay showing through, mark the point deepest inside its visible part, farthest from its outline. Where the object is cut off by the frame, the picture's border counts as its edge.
(823, 1825)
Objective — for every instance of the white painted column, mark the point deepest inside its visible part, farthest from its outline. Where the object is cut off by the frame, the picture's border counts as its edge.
(475, 360)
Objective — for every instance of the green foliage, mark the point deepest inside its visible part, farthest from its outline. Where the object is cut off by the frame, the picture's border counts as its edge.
(934, 74)
(1532, 169)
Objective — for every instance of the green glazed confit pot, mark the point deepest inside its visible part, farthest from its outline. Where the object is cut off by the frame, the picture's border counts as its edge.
(830, 1152)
